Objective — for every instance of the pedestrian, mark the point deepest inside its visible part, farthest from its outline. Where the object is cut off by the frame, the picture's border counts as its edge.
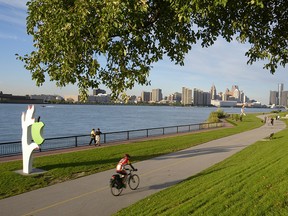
(272, 121)
(92, 136)
(97, 133)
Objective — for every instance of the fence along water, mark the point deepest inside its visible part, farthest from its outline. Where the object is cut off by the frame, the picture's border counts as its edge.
(15, 148)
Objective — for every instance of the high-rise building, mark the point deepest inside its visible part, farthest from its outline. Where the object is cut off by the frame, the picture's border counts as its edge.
(206, 98)
(273, 98)
(280, 90)
(284, 98)
(156, 95)
(146, 96)
(213, 92)
(186, 96)
(201, 98)
(175, 97)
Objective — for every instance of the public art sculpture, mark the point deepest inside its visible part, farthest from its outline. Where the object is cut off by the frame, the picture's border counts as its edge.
(31, 137)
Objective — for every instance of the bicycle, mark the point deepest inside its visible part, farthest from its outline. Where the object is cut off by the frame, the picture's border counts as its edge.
(117, 185)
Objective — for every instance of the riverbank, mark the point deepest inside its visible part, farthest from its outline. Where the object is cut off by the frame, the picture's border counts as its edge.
(226, 124)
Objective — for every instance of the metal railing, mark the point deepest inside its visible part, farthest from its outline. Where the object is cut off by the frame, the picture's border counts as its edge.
(15, 148)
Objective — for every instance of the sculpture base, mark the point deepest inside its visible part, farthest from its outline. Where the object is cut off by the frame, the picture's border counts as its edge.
(35, 171)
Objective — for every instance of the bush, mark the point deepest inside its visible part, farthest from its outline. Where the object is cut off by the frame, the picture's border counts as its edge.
(215, 117)
(220, 113)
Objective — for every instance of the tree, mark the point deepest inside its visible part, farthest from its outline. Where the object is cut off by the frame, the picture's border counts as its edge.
(115, 42)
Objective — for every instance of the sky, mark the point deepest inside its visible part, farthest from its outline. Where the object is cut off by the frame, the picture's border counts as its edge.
(223, 64)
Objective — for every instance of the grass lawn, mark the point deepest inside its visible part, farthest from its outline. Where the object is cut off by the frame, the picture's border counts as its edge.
(73, 165)
(251, 182)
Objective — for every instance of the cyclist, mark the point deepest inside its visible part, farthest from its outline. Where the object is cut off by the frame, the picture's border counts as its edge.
(121, 167)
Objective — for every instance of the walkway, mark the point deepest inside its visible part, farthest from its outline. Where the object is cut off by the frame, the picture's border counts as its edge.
(91, 195)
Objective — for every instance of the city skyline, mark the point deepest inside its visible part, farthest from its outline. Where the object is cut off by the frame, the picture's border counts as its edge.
(157, 95)
(223, 64)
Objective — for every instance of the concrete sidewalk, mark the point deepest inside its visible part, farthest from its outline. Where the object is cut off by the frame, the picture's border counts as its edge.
(91, 195)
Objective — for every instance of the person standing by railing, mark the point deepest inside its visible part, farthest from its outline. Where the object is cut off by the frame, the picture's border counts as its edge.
(92, 136)
(98, 132)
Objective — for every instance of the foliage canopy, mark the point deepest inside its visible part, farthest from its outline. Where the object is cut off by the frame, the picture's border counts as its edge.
(115, 42)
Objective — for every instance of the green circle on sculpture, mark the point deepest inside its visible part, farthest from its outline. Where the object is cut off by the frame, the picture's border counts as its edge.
(37, 130)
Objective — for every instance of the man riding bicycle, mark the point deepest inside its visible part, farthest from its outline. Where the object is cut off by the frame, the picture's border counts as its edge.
(121, 167)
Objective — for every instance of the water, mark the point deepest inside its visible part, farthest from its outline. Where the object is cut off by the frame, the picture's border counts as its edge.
(67, 120)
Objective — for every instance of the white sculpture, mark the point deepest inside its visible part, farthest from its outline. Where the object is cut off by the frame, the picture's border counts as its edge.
(31, 137)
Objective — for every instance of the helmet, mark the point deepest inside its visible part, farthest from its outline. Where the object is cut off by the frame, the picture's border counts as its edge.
(127, 155)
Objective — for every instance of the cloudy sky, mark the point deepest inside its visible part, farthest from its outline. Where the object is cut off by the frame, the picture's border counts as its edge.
(223, 64)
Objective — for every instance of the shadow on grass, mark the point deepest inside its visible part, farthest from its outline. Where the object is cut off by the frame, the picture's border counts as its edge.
(199, 151)
(93, 163)
(158, 186)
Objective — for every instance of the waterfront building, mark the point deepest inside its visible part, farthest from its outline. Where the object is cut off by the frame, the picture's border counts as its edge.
(9, 98)
(197, 97)
(280, 90)
(284, 98)
(186, 96)
(177, 97)
(146, 96)
(98, 91)
(99, 98)
(279, 97)
(213, 92)
(219, 103)
(156, 95)
(71, 98)
(201, 98)
(132, 99)
(47, 98)
(173, 98)
(206, 98)
(273, 97)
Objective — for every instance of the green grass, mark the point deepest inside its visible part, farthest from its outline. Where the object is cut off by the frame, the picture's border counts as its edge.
(73, 165)
(251, 182)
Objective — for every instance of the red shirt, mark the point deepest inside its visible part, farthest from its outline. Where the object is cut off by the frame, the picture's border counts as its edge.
(122, 163)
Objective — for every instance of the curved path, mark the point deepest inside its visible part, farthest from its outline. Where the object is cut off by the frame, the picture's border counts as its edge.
(91, 195)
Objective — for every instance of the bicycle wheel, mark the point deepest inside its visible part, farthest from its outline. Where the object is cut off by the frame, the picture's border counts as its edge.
(116, 189)
(134, 181)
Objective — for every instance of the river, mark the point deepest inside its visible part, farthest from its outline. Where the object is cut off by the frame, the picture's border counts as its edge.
(66, 120)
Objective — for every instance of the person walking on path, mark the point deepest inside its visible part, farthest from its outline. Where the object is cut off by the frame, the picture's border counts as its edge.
(92, 136)
(272, 121)
(97, 134)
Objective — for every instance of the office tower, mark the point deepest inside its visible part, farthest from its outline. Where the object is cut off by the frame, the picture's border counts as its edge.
(201, 98)
(186, 96)
(213, 92)
(198, 97)
(156, 95)
(284, 98)
(273, 97)
(206, 98)
(146, 96)
(175, 97)
(243, 97)
(280, 90)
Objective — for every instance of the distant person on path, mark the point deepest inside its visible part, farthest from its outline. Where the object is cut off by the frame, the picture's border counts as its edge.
(121, 167)
(272, 121)
(242, 110)
(97, 133)
(265, 119)
(92, 136)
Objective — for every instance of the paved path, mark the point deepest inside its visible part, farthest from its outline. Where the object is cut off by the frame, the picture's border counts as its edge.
(91, 195)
